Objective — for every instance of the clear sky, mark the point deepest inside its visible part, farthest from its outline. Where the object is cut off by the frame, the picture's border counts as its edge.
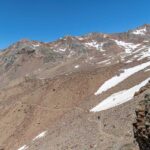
(47, 20)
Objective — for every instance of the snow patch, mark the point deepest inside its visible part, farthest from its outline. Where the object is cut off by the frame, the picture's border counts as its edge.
(145, 41)
(144, 54)
(140, 31)
(117, 79)
(62, 49)
(35, 45)
(101, 47)
(92, 44)
(147, 70)
(77, 66)
(41, 135)
(140, 49)
(118, 98)
(129, 61)
(24, 147)
(91, 58)
(129, 47)
(96, 45)
(105, 61)
(80, 38)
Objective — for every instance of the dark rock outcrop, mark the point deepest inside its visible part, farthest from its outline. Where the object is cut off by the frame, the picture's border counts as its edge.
(142, 124)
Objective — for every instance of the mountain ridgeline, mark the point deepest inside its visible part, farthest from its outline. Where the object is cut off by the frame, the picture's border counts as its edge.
(78, 92)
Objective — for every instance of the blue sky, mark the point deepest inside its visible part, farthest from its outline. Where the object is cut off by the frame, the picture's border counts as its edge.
(47, 20)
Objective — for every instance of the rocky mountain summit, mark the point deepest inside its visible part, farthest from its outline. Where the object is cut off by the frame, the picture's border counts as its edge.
(78, 92)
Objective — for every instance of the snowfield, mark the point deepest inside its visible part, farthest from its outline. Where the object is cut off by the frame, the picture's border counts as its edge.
(118, 79)
(118, 98)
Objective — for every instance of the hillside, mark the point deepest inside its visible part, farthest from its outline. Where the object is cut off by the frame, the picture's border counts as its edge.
(74, 93)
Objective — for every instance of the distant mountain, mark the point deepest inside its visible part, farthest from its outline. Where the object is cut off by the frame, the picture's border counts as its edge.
(74, 93)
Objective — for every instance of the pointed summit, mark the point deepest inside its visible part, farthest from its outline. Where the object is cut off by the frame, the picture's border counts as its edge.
(146, 25)
(142, 30)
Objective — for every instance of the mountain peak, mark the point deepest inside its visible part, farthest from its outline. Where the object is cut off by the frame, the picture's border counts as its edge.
(146, 25)
(24, 40)
(142, 30)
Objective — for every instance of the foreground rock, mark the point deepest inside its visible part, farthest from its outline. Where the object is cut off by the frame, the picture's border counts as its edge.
(142, 124)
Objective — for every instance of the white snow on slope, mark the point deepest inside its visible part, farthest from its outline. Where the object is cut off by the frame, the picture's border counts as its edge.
(36, 45)
(79, 38)
(147, 70)
(96, 45)
(118, 98)
(62, 49)
(117, 79)
(24, 147)
(140, 49)
(145, 41)
(104, 61)
(129, 61)
(93, 44)
(140, 31)
(144, 54)
(77, 66)
(101, 47)
(129, 47)
(41, 135)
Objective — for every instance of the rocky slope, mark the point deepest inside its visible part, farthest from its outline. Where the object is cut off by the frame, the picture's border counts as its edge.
(142, 124)
(51, 93)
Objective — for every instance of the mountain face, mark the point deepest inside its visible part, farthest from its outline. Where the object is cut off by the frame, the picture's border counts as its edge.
(78, 92)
